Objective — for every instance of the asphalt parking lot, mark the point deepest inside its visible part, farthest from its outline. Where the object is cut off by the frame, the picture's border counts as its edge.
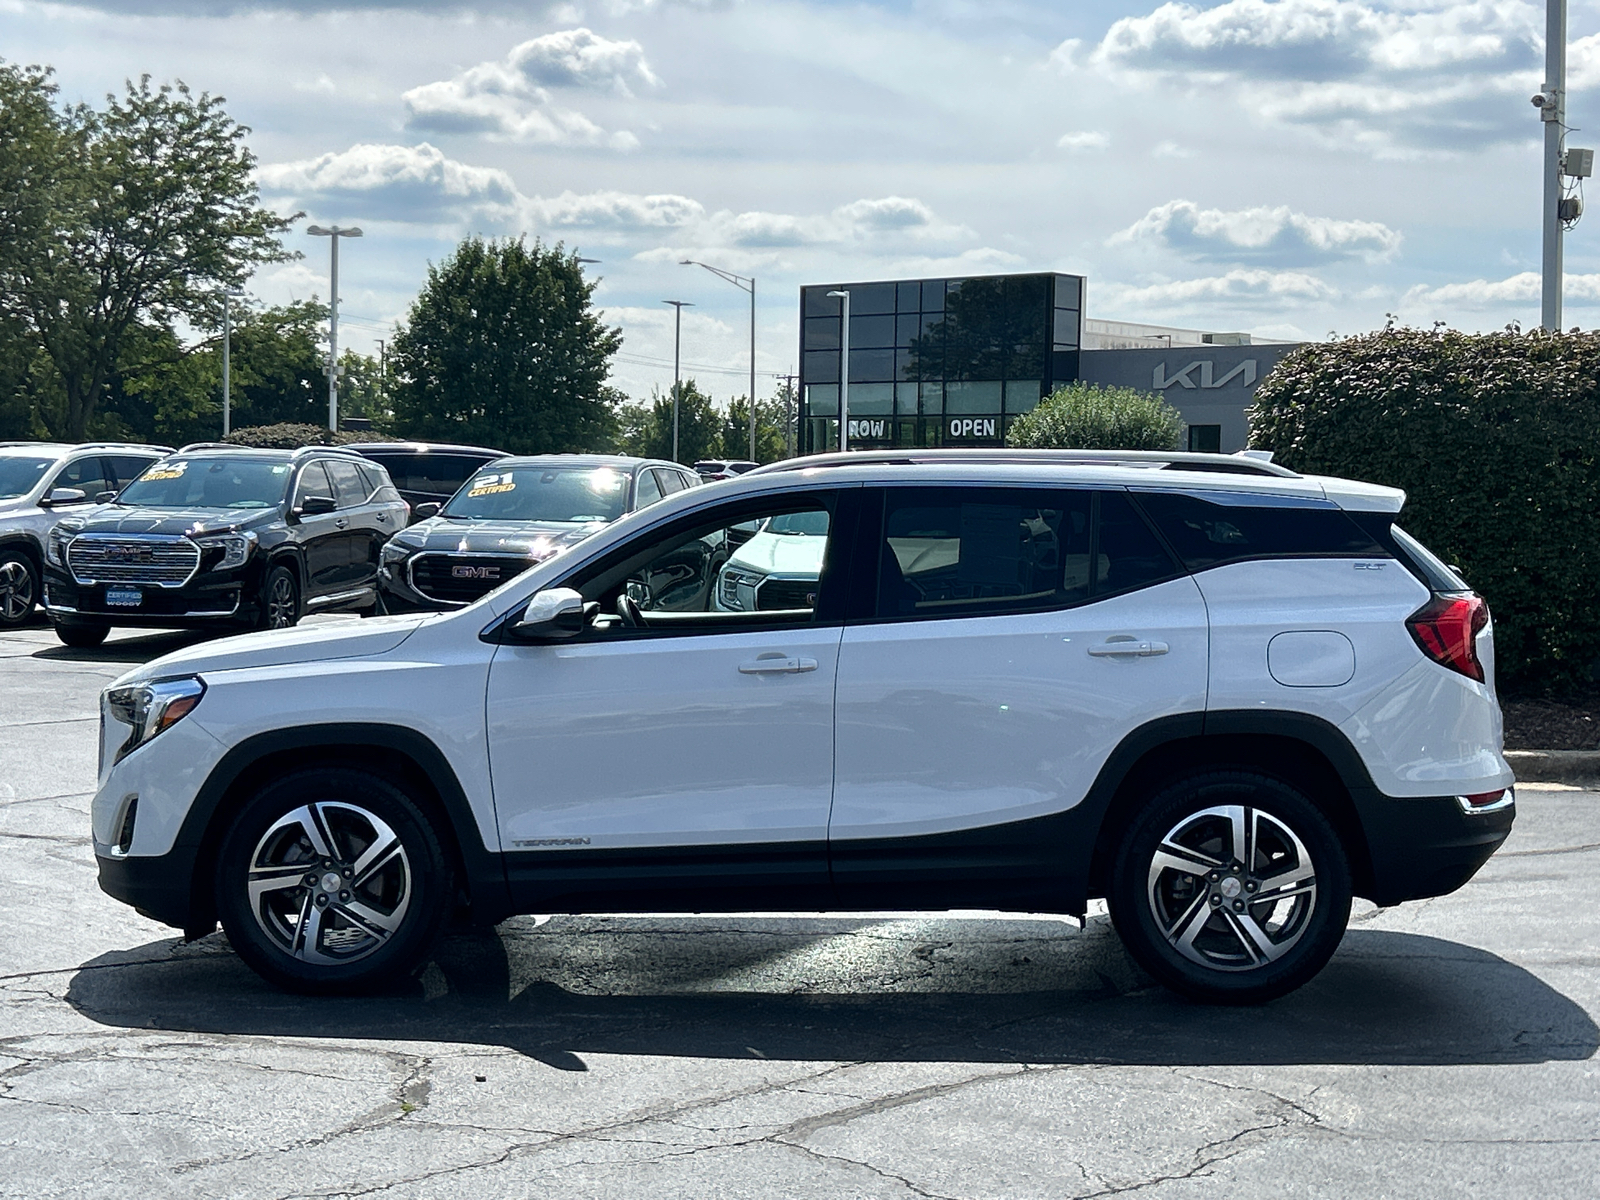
(1449, 1049)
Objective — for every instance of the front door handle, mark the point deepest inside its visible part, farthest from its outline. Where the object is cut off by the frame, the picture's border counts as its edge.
(340, 523)
(777, 665)
(383, 516)
(1128, 648)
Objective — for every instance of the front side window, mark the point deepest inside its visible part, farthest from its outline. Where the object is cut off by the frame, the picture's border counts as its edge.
(240, 483)
(88, 475)
(314, 481)
(748, 566)
(350, 489)
(562, 495)
(649, 491)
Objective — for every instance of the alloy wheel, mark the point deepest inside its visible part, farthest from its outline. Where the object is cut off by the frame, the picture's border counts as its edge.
(281, 603)
(1232, 888)
(329, 883)
(16, 591)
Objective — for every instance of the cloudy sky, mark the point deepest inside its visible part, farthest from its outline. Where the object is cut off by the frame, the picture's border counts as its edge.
(1288, 167)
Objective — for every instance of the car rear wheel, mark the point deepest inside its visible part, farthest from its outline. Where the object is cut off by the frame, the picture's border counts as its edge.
(19, 588)
(81, 635)
(280, 599)
(1231, 887)
(332, 880)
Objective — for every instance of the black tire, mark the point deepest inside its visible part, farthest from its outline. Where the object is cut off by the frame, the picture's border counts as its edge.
(81, 635)
(19, 587)
(280, 599)
(369, 925)
(1241, 928)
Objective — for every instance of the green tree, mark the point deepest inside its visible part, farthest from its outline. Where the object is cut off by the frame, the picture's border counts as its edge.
(646, 429)
(119, 220)
(503, 347)
(772, 418)
(1085, 416)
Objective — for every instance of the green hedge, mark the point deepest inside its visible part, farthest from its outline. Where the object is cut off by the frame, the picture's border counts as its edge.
(291, 435)
(1085, 416)
(1496, 440)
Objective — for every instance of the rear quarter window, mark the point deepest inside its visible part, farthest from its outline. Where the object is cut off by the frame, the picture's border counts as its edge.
(1210, 529)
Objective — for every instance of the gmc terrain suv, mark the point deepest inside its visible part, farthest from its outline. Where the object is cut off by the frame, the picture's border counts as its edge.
(39, 481)
(217, 535)
(1224, 697)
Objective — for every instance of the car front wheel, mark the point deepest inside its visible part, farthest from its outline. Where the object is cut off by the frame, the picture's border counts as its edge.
(19, 587)
(1231, 887)
(280, 599)
(81, 635)
(332, 880)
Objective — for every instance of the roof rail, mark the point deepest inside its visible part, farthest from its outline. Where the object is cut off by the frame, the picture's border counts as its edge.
(123, 446)
(210, 446)
(345, 450)
(1177, 460)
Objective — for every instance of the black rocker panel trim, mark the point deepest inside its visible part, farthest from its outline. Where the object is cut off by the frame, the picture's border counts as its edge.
(200, 834)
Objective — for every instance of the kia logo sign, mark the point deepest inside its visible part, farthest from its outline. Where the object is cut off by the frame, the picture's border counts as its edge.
(475, 572)
(971, 427)
(1245, 372)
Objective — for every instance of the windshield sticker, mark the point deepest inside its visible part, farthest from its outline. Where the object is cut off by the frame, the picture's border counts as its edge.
(493, 485)
(172, 470)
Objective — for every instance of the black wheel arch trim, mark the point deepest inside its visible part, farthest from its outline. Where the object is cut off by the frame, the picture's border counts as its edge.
(190, 904)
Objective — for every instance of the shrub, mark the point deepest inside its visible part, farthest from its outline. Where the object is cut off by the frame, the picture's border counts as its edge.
(291, 435)
(1085, 416)
(1495, 438)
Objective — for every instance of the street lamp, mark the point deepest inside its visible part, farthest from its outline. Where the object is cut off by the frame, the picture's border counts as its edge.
(844, 368)
(333, 233)
(677, 341)
(227, 345)
(744, 283)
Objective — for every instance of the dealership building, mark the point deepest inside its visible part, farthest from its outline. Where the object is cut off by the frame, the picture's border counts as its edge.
(953, 362)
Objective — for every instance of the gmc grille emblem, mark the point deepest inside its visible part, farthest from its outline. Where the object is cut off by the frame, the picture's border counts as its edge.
(127, 554)
(475, 572)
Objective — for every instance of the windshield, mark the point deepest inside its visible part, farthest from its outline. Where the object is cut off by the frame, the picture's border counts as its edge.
(19, 474)
(572, 494)
(800, 524)
(209, 483)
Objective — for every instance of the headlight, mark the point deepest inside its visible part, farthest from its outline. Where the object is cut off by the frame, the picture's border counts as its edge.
(236, 548)
(149, 708)
(736, 589)
(55, 547)
(397, 548)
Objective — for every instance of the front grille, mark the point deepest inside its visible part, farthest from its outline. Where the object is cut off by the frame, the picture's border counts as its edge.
(163, 561)
(787, 593)
(462, 578)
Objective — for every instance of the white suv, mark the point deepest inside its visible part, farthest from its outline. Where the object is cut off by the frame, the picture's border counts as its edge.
(1222, 696)
(38, 482)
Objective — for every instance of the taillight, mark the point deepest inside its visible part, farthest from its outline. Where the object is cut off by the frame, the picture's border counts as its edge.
(1447, 628)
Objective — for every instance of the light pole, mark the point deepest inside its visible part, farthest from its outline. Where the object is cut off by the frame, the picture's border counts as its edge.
(1552, 103)
(745, 283)
(227, 345)
(333, 233)
(844, 368)
(677, 341)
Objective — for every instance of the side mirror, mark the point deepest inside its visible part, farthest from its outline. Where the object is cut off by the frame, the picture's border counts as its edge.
(423, 511)
(59, 496)
(316, 506)
(105, 497)
(554, 613)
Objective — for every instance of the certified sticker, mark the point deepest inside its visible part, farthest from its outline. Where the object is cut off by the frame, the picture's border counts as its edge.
(172, 470)
(493, 485)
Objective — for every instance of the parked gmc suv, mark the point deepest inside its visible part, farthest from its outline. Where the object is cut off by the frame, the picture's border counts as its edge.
(1222, 696)
(216, 535)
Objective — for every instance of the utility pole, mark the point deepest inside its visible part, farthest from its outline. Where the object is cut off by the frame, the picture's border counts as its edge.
(333, 233)
(744, 283)
(677, 343)
(791, 400)
(844, 368)
(1552, 105)
(227, 346)
(383, 375)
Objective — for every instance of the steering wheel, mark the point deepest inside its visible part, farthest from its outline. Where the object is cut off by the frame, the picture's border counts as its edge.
(628, 610)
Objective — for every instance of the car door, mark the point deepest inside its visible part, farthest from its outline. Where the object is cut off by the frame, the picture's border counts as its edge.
(88, 474)
(364, 534)
(321, 535)
(995, 674)
(681, 752)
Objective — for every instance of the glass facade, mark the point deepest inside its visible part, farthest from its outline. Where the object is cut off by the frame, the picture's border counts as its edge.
(935, 362)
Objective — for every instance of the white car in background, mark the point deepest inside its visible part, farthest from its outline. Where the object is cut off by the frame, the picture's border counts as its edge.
(778, 567)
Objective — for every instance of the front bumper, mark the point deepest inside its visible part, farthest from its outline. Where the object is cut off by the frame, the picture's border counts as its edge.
(1427, 846)
(211, 597)
(159, 886)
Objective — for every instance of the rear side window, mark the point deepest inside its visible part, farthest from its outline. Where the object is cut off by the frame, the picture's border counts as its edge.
(1209, 529)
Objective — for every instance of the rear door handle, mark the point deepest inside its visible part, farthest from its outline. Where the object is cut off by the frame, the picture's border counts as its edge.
(777, 666)
(383, 516)
(1129, 649)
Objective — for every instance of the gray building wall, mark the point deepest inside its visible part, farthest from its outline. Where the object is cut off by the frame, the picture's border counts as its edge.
(1209, 385)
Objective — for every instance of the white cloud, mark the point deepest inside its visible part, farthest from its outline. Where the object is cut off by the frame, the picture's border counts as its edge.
(1170, 149)
(615, 210)
(509, 98)
(1520, 289)
(1269, 234)
(1393, 80)
(1244, 286)
(402, 183)
(1084, 140)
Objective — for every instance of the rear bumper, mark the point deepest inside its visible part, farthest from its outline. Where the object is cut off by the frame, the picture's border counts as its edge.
(1427, 846)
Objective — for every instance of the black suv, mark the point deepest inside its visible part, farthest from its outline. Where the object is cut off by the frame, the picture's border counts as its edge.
(426, 472)
(512, 514)
(217, 535)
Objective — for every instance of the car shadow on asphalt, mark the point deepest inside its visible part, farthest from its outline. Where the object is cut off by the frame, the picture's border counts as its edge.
(1387, 998)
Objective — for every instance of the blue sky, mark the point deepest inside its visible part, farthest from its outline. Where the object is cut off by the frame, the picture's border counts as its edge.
(1290, 167)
